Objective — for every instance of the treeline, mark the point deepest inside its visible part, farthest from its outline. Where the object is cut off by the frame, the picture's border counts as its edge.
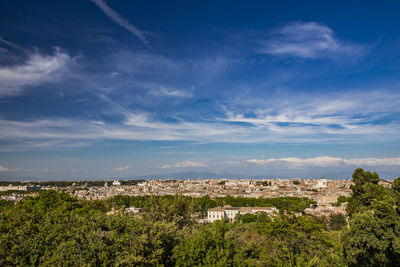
(57, 229)
(11, 192)
(202, 204)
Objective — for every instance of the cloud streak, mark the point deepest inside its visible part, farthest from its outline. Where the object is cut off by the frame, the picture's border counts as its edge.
(309, 40)
(4, 169)
(236, 128)
(10, 44)
(185, 164)
(122, 168)
(356, 113)
(37, 69)
(170, 92)
(326, 161)
(121, 21)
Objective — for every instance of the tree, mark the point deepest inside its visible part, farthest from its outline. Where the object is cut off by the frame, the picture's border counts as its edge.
(372, 241)
(337, 221)
(396, 189)
(373, 238)
(248, 218)
(206, 246)
(364, 191)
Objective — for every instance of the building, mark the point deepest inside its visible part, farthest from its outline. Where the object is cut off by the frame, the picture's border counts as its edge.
(321, 183)
(230, 213)
(215, 214)
(116, 183)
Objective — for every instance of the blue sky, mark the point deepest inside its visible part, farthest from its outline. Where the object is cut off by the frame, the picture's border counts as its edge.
(98, 89)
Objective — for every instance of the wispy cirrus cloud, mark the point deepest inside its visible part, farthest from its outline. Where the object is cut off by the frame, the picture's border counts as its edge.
(308, 40)
(185, 164)
(122, 168)
(170, 92)
(341, 113)
(5, 169)
(9, 43)
(326, 161)
(37, 69)
(121, 21)
(306, 125)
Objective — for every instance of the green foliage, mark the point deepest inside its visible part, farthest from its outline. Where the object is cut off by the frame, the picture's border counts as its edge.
(295, 241)
(207, 245)
(291, 204)
(10, 192)
(283, 241)
(55, 228)
(364, 191)
(141, 242)
(49, 229)
(396, 189)
(201, 205)
(373, 238)
(248, 218)
(340, 200)
(5, 204)
(372, 241)
(266, 183)
(337, 221)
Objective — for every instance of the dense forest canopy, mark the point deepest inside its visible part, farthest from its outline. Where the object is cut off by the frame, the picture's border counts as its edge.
(54, 228)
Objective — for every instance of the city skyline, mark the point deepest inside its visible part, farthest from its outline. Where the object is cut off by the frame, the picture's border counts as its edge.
(103, 89)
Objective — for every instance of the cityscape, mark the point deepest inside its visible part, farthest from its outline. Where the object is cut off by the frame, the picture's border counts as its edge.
(324, 192)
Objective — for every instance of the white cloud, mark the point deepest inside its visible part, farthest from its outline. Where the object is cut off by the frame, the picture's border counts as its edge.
(121, 168)
(185, 164)
(308, 40)
(5, 169)
(266, 119)
(144, 126)
(326, 161)
(121, 21)
(324, 119)
(171, 92)
(35, 71)
(143, 120)
(321, 116)
(374, 162)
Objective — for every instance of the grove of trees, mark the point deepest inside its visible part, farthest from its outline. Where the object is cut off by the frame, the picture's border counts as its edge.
(54, 228)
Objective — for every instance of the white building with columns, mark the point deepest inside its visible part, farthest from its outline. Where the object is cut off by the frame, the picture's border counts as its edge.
(230, 213)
